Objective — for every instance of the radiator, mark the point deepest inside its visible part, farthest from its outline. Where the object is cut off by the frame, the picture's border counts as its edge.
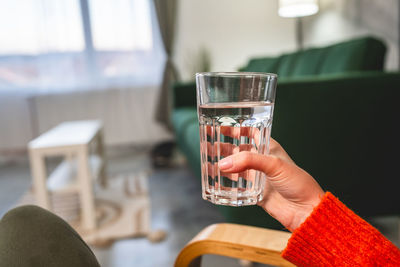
(127, 115)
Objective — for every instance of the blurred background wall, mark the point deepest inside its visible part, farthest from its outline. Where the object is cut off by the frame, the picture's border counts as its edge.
(231, 31)
(344, 19)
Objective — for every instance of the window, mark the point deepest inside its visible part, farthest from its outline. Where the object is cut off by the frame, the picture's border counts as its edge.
(72, 44)
(125, 25)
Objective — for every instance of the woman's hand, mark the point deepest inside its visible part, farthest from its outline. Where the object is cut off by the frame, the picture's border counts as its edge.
(290, 192)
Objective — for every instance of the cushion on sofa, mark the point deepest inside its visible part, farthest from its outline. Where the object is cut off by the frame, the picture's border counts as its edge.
(265, 64)
(191, 143)
(364, 53)
(287, 63)
(309, 62)
(355, 55)
(181, 117)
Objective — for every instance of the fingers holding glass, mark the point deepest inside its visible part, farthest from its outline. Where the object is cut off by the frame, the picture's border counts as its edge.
(229, 140)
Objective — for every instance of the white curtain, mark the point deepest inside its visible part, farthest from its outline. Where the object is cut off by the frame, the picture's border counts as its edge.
(45, 46)
(45, 73)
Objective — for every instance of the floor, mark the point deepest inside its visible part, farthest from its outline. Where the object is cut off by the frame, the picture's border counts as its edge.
(177, 208)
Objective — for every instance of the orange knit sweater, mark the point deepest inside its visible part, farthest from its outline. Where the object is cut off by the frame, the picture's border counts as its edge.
(333, 235)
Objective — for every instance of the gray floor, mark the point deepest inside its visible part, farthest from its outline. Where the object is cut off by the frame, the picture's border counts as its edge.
(177, 208)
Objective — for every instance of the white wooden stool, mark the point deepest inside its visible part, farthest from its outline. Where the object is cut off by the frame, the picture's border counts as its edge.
(73, 140)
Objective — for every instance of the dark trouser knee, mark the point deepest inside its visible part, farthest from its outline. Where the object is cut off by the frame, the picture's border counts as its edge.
(32, 236)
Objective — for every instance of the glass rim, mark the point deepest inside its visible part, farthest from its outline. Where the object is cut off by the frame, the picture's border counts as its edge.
(237, 74)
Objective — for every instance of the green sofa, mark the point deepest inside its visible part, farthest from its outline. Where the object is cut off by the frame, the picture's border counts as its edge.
(335, 115)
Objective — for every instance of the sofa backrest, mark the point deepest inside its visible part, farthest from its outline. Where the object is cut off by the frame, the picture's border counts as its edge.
(361, 54)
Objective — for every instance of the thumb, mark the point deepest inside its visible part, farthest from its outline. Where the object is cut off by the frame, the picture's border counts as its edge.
(271, 165)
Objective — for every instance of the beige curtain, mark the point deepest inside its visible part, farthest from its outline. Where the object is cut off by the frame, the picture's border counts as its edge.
(166, 15)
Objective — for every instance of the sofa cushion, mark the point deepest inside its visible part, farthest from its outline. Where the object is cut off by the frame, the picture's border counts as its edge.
(190, 144)
(360, 54)
(286, 64)
(365, 53)
(186, 127)
(309, 62)
(266, 64)
(182, 117)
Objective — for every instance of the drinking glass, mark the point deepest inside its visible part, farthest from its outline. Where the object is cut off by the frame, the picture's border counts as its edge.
(235, 114)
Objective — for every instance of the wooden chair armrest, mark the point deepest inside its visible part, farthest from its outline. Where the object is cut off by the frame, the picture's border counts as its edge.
(237, 241)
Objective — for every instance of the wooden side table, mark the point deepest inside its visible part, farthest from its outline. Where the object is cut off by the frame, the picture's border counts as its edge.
(73, 140)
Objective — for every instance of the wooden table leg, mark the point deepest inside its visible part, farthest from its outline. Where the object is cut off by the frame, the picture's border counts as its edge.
(100, 151)
(86, 190)
(39, 175)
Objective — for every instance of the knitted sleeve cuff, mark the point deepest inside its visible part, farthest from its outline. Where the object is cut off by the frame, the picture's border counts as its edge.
(333, 235)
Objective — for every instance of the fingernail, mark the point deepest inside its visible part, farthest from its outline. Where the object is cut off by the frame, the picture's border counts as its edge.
(225, 163)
